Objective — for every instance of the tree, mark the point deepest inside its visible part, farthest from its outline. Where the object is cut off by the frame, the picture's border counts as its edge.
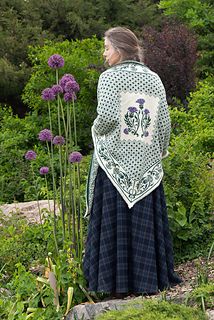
(198, 15)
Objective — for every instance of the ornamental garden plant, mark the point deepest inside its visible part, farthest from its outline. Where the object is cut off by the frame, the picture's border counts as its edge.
(63, 165)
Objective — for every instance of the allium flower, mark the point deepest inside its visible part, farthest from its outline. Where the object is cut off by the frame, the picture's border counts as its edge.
(146, 111)
(30, 155)
(72, 86)
(56, 61)
(146, 133)
(132, 109)
(45, 135)
(69, 96)
(67, 77)
(48, 94)
(44, 170)
(140, 101)
(57, 89)
(58, 140)
(75, 157)
(126, 131)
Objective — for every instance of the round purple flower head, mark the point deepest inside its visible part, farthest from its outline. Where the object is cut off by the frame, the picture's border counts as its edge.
(75, 157)
(146, 111)
(146, 133)
(30, 155)
(140, 101)
(56, 61)
(67, 77)
(44, 170)
(45, 135)
(72, 86)
(69, 96)
(48, 94)
(57, 89)
(58, 140)
(132, 109)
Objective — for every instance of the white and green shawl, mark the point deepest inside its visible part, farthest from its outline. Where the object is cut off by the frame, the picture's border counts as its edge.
(131, 132)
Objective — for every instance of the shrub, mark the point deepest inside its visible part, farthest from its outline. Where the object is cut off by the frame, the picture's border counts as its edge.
(171, 53)
(188, 175)
(152, 310)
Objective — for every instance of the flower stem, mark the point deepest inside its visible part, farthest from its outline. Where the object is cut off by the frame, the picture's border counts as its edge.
(75, 126)
(80, 226)
(54, 192)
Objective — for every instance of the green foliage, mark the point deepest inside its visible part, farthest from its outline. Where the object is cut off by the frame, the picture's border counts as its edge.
(188, 173)
(152, 310)
(198, 15)
(24, 247)
(22, 243)
(83, 60)
(203, 295)
(16, 136)
(26, 23)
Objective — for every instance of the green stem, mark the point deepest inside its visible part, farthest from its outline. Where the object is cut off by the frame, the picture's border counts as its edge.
(50, 153)
(60, 161)
(80, 227)
(75, 127)
(62, 193)
(37, 198)
(63, 118)
(72, 207)
(75, 231)
(46, 184)
(203, 304)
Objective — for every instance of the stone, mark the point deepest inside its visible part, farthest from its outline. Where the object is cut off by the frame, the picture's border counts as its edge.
(88, 311)
(29, 210)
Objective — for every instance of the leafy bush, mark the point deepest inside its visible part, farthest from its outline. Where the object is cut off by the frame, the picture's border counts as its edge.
(152, 310)
(188, 175)
(171, 53)
(83, 60)
(198, 15)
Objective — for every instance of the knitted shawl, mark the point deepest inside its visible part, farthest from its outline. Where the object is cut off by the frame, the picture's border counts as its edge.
(131, 132)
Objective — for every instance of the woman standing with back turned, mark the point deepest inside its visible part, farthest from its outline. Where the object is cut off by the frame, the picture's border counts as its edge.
(128, 247)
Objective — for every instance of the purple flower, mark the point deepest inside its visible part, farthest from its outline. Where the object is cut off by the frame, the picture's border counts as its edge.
(48, 94)
(132, 109)
(57, 89)
(45, 135)
(56, 61)
(126, 131)
(58, 140)
(140, 101)
(67, 77)
(69, 96)
(30, 155)
(146, 111)
(44, 170)
(75, 157)
(72, 86)
(146, 133)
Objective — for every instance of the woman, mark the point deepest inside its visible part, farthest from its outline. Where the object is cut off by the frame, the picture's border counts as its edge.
(128, 247)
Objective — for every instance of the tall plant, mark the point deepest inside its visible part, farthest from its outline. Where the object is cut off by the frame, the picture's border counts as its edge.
(66, 176)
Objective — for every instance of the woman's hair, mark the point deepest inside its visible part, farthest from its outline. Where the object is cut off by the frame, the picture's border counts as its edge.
(126, 42)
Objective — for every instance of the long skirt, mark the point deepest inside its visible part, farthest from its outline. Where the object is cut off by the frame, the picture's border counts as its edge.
(128, 250)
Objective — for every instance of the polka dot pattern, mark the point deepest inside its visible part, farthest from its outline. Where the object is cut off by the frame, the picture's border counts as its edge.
(134, 156)
(133, 165)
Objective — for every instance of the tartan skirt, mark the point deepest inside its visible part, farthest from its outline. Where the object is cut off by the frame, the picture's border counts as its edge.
(128, 250)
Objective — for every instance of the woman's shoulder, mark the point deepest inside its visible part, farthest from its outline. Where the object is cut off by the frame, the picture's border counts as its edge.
(128, 66)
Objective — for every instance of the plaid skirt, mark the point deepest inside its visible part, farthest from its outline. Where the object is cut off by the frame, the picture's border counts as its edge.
(128, 250)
